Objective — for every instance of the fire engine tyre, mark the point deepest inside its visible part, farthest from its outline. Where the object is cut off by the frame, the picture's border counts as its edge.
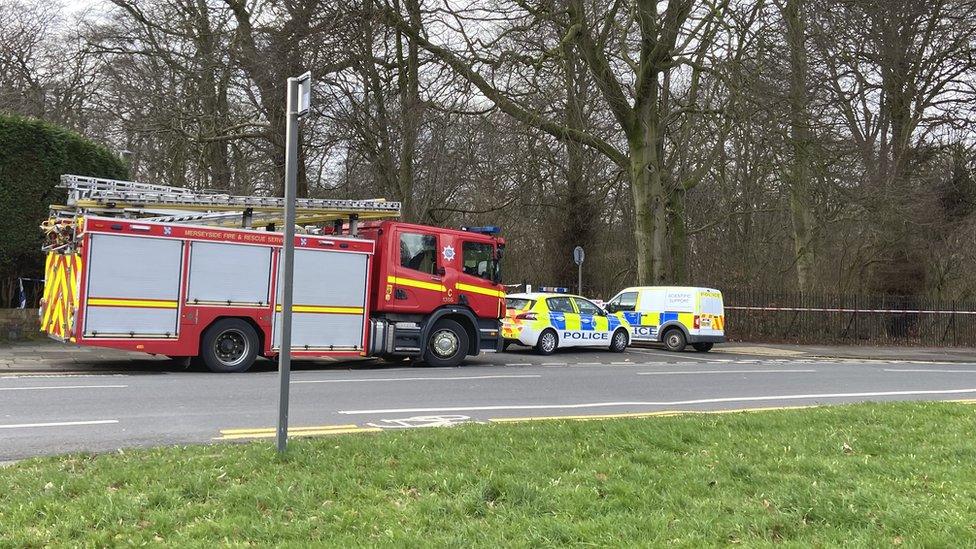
(674, 340)
(618, 342)
(230, 345)
(547, 343)
(447, 344)
(702, 347)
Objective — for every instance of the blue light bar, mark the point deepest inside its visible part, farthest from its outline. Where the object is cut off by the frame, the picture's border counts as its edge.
(554, 289)
(486, 229)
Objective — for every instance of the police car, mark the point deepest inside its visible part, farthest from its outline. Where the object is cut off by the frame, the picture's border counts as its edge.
(548, 321)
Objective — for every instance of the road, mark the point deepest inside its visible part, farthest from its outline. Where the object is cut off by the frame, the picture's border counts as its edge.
(155, 404)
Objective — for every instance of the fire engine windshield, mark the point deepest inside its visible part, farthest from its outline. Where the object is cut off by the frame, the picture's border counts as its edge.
(479, 260)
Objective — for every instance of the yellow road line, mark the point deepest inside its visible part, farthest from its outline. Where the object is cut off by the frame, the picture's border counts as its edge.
(290, 430)
(662, 413)
(322, 432)
(300, 432)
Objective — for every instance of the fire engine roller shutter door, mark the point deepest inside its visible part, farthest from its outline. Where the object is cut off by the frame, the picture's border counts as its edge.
(133, 286)
(235, 273)
(331, 287)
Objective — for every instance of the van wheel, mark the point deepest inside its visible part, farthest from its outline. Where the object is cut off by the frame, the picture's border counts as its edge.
(702, 347)
(230, 345)
(618, 342)
(447, 344)
(547, 343)
(674, 340)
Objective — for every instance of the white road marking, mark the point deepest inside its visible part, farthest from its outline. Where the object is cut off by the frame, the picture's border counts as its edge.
(671, 355)
(725, 372)
(553, 364)
(449, 378)
(588, 364)
(928, 370)
(661, 403)
(621, 363)
(518, 364)
(41, 388)
(59, 424)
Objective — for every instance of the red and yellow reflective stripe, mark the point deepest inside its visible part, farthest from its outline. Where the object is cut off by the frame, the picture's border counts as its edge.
(479, 290)
(324, 309)
(413, 283)
(129, 302)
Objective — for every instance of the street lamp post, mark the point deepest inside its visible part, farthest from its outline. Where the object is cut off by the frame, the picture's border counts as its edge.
(299, 95)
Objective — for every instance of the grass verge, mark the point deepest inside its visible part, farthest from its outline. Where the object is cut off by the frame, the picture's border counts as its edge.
(869, 474)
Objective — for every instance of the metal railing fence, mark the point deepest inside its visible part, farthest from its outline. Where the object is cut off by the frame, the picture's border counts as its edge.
(756, 315)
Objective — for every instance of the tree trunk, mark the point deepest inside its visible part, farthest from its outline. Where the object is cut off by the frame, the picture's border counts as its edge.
(799, 171)
(650, 219)
(411, 113)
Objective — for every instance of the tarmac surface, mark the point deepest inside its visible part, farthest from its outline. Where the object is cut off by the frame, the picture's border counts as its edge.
(57, 398)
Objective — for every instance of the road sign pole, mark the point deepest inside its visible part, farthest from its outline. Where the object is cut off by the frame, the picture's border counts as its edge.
(297, 106)
(578, 257)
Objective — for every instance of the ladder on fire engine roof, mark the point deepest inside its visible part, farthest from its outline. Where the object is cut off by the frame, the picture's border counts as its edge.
(114, 198)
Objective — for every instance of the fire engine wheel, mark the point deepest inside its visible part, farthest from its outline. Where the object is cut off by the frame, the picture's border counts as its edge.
(674, 340)
(447, 344)
(547, 343)
(618, 343)
(230, 345)
(702, 347)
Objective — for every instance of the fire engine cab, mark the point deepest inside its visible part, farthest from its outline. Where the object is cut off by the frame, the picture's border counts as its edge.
(163, 270)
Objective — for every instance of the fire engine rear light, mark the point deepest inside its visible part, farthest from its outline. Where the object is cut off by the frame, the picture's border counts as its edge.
(527, 316)
(697, 322)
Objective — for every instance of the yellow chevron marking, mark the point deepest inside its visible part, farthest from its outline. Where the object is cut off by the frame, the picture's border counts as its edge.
(140, 303)
(479, 290)
(323, 309)
(416, 283)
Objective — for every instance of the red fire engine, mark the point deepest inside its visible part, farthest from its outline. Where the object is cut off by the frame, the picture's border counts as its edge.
(152, 268)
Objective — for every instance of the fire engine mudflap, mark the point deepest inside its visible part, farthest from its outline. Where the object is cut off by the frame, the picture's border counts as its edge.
(394, 290)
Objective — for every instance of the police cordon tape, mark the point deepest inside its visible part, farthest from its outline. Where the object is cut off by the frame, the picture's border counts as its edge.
(842, 310)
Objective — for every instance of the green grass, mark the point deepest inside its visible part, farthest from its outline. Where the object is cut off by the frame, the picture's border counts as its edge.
(867, 475)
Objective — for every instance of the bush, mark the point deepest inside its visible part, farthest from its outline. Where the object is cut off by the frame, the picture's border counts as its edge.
(33, 156)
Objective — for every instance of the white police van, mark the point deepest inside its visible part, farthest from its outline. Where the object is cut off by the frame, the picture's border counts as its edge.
(673, 315)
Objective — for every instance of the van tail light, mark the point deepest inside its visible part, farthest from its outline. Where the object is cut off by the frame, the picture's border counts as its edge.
(697, 322)
(527, 316)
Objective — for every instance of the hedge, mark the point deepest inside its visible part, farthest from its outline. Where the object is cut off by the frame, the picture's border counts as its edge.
(33, 156)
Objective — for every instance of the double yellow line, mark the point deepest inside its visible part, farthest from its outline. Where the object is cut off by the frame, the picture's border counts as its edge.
(270, 432)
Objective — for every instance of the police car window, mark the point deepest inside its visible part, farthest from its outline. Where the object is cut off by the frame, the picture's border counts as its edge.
(517, 303)
(477, 258)
(560, 305)
(625, 301)
(418, 252)
(587, 308)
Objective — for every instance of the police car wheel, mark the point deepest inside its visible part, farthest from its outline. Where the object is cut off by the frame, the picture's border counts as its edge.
(702, 347)
(674, 340)
(229, 346)
(547, 343)
(618, 343)
(447, 344)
